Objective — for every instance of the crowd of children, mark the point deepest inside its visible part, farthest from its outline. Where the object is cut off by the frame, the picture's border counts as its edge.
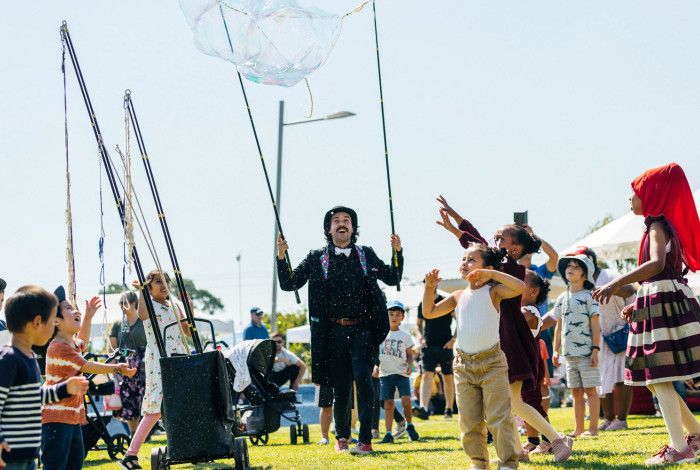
(500, 361)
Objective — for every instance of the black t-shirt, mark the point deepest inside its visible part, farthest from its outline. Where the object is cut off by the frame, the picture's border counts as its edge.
(345, 289)
(437, 331)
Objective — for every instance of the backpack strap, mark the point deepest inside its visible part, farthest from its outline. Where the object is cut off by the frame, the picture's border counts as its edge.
(326, 260)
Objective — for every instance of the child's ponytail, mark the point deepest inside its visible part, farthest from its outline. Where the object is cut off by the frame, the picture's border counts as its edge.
(492, 256)
(530, 242)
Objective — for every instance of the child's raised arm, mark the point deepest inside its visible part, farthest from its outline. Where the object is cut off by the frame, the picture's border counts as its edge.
(141, 309)
(445, 306)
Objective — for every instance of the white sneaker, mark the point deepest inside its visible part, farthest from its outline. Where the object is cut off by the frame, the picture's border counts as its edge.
(323, 442)
(375, 433)
(400, 430)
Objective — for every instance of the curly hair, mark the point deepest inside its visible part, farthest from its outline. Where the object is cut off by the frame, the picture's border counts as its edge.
(530, 243)
(492, 256)
(533, 279)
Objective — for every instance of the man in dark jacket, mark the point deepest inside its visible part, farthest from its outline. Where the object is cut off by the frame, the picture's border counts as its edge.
(347, 317)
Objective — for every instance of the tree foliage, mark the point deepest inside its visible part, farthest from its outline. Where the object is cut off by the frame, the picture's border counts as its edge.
(203, 300)
(289, 320)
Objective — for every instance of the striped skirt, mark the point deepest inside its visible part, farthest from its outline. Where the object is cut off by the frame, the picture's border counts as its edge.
(664, 340)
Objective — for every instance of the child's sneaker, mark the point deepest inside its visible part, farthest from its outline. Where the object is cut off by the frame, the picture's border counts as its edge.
(388, 439)
(668, 454)
(412, 434)
(323, 442)
(362, 449)
(341, 445)
(562, 448)
(617, 425)
(693, 441)
(400, 430)
(421, 413)
(130, 462)
(448, 413)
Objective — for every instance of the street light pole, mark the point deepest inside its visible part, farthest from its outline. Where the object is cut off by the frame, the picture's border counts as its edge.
(280, 132)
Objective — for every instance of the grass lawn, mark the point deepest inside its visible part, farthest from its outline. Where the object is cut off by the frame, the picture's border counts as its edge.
(439, 449)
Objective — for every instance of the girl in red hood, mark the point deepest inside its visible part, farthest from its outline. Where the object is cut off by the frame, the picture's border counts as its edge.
(664, 340)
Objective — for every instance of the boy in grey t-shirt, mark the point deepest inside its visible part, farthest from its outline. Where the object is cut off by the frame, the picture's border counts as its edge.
(577, 334)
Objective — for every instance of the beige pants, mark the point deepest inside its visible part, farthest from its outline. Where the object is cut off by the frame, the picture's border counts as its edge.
(483, 398)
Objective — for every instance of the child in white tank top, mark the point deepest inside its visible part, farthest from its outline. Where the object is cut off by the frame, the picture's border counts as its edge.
(481, 372)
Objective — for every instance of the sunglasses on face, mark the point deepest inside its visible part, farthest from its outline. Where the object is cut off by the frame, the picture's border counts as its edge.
(279, 341)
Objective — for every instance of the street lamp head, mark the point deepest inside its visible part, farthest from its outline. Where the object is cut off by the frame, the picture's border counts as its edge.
(340, 115)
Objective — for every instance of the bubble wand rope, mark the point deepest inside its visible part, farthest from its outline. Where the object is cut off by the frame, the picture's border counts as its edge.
(129, 107)
(262, 161)
(395, 255)
(65, 37)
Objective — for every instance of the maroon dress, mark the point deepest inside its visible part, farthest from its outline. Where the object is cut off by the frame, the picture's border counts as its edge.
(517, 342)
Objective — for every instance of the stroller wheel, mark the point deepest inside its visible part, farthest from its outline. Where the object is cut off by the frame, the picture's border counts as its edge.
(264, 438)
(158, 459)
(259, 439)
(293, 434)
(240, 453)
(118, 445)
(305, 433)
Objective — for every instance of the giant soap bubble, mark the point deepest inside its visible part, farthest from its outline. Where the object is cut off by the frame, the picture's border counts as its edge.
(275, 42)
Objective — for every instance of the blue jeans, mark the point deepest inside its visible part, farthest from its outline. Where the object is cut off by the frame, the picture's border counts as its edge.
(62, 446)
(28, 464)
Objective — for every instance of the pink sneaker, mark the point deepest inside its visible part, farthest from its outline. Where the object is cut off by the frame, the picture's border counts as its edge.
(668, 455)
(362, 449)
(693, 441)
(543, 448)
(617, 425)
(562, 448)
(341, 445)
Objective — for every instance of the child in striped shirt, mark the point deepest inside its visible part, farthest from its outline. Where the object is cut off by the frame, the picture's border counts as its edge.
(62, 437)
(31, 315)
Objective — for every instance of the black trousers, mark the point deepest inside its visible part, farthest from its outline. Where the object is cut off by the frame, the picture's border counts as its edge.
(398, 417)
(288, 374)
(352, 359)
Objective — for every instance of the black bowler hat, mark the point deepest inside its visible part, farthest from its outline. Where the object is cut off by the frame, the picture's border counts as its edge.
(336, 210)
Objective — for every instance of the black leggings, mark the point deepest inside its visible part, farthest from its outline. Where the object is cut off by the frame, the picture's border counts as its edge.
(398, 417)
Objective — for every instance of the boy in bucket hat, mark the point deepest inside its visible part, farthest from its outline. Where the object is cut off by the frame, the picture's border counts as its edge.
(577, 333)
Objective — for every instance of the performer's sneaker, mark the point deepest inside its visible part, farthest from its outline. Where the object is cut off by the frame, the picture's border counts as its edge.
(669, 455)
(400, 430)
(388, 439)
(604, 425)
(362, 449)
(412, 433)
(542, 448)
(617, 425)
(562, 448)
(341, 445)
(693, 441)
(529, 447)
(130, 462)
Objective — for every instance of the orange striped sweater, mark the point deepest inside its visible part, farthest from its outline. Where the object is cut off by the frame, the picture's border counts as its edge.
(63, 362)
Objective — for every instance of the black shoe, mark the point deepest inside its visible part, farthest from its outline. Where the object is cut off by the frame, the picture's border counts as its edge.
(388, 439)
(448, 413)
(412, 434)
(130, 462)
(421, 413)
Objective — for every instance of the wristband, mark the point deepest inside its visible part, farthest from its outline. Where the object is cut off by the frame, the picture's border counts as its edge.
(596, 347)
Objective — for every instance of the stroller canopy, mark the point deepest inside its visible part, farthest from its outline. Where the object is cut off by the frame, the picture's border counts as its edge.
(251, 356)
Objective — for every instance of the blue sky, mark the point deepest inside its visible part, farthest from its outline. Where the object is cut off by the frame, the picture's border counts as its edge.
(503, 106)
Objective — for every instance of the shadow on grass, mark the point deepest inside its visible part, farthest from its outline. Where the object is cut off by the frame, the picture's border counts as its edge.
(95, 463)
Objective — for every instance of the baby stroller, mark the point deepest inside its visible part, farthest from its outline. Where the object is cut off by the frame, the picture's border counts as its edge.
(116, 444)
(266, 404)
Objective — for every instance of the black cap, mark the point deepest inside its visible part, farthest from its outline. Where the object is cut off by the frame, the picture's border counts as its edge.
(60, 292)
(336, 210)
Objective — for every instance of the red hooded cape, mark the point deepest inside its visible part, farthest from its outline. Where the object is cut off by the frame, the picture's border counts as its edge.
(665, 191)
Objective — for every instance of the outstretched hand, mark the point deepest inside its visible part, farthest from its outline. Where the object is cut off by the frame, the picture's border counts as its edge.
(92, 305)
(603, 294)
(627, 313)
(445, 221)
(432, 278)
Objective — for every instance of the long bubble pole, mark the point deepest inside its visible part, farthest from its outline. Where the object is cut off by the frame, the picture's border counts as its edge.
(65, 36)
(395, 255)
(262, 160)
(129, 105)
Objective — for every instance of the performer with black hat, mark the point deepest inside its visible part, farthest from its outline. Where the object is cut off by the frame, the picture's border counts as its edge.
(347, 314)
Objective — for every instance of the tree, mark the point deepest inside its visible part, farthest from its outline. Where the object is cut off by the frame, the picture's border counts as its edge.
(202, 299)
(289, 320)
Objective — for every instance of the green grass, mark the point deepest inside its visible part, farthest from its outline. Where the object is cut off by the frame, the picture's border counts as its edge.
(439, 449)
